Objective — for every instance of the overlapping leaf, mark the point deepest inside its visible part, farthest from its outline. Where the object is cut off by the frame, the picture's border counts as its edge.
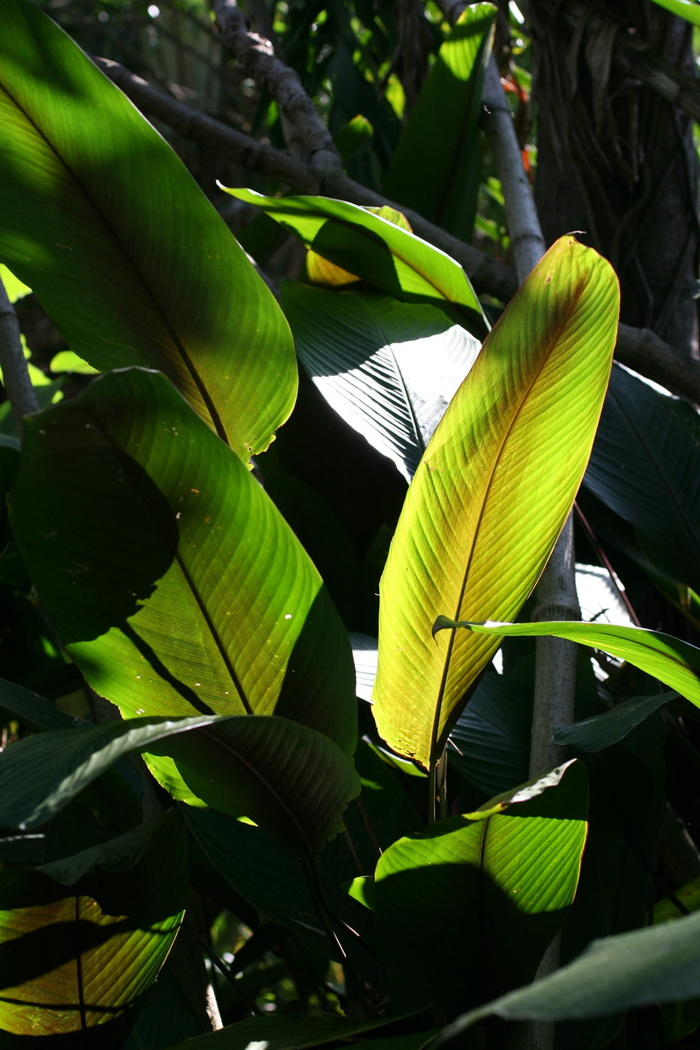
(368, 246)
(501, 884)
(444, 185)
(172, 578)
(388, 368)
(292, 780)
(74, 960)
(492, 492)
(103, 221)
(672, 661)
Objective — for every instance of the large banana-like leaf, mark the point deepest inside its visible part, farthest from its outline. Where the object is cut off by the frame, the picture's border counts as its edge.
(102, 220)
(388, 368)
(444, 185)
(672, 661)
(469, 905)
(492, 492)
(172, 578)
(373, 248)
(292, 780)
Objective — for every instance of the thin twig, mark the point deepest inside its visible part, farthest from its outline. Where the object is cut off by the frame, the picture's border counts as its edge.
(20, 392)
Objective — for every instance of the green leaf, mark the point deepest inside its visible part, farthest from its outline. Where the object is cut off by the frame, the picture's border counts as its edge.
(645, 467)
(593, 734)
(686, 9)
(673, 662)
(370, 247)
(491, 738)
(444, 184)
(75, 960)
(169, 574)
(492, 492)
(283, 1031)
(292, 780)
(660, 964)
(501, 884)
(388, 368)
(34, 712)
(128, 257)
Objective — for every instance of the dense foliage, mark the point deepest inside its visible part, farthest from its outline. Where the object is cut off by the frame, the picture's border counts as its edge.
(284, 534)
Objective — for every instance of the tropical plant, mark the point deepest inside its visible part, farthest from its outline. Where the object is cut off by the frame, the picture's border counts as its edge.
(394, 874)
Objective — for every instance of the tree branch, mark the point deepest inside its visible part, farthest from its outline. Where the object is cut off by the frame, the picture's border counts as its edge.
(310, 138)
(639, 349)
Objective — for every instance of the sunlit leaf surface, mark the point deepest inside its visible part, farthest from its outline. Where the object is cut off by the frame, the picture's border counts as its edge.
(492, 492)
(128, 257)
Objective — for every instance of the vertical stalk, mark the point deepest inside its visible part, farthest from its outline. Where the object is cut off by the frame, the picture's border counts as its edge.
(556, 597)
(18, 385)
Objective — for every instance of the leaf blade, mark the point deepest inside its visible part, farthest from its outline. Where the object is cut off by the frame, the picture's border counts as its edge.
(503, 467)
(132, 272)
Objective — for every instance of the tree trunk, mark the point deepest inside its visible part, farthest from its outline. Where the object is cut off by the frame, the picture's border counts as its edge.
(615, 160)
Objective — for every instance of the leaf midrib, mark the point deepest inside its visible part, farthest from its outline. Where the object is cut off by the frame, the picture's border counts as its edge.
(554, 340)
(131, 263)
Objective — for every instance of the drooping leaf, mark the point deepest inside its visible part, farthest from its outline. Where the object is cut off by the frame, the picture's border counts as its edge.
(501, 884)
(593, 734)
(388, 368)
(128, 257)
(371, 247)
(444, 184)
(660, 964)
(672, 661)
(291, 779)
(645, 466)
(492, 492)
(171, 577)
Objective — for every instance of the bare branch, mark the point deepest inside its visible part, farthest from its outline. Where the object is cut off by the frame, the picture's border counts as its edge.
(258, 61)
(640, 349)
(254, 156)
(18, 385)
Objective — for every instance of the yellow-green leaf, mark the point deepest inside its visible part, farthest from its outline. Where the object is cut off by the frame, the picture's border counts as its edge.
(492, 493)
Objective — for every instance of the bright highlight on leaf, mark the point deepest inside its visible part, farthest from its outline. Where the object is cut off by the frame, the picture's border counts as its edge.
(373, 248)
(492, 492)
(128, 257)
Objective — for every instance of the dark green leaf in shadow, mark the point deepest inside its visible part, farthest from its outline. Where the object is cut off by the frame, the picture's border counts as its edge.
(501, 884)
(291, 779)
(280, 1031)
(443, 185)
(645, 466)
(128, 257)
(660, 964)
(593, 734)
(170, 575)
(388, 368)
(378, 251)
(32, 711)
(490, 743)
